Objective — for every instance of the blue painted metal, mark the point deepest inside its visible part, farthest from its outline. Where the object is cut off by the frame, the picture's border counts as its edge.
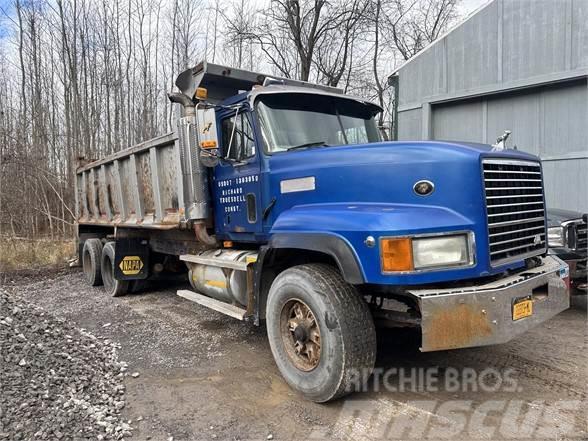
(367, 189)
(231, 184)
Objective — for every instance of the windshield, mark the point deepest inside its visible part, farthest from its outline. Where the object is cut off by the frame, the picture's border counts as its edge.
(296, 120)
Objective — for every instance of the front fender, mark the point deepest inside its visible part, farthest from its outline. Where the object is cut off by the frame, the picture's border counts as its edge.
(341, 230)
(335, 246)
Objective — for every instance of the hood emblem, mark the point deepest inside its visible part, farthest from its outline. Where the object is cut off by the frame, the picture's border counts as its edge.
(501, 142)
(423, 187)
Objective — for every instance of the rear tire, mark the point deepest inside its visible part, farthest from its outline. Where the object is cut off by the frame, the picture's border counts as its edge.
(320, 331)
(91, 254)
(138, 286)
(113, 286)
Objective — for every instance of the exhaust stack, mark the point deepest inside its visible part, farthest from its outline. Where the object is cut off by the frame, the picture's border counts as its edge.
(194, 174)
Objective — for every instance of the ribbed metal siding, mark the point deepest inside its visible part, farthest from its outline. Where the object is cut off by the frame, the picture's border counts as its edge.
(516, 209)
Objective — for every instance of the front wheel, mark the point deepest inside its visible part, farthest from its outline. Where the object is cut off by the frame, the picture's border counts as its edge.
(320, 331)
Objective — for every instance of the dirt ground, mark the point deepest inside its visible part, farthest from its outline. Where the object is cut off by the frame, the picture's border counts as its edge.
(207, 376)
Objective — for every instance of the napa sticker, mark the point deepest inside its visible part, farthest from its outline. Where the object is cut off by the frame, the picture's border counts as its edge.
(131, 265)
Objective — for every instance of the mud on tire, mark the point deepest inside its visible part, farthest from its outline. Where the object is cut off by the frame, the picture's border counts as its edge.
(347, 334)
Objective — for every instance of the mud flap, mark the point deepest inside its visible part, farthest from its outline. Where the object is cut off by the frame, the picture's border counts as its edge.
(131, 261)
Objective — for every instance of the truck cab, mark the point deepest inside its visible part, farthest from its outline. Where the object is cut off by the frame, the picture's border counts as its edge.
(293, 211)
(297, 163)
(259, 138)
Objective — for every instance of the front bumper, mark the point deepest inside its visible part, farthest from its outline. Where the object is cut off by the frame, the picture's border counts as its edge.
(482, 315)
(578, 274)
(576, 261)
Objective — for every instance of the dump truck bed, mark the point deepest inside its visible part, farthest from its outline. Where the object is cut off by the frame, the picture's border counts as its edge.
(137, 187)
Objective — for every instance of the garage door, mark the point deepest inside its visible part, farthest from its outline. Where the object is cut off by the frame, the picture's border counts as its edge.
(550, 121)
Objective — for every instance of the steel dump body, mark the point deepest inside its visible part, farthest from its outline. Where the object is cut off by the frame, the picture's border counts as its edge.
(137, 187)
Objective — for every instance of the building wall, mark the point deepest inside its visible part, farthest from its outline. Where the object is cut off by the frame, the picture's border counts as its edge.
(518, 65)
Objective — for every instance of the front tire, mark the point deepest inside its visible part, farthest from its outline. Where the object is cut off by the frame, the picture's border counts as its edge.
(320, 331)
(113, 286)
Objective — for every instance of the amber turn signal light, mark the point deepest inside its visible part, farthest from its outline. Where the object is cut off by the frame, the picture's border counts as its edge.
(396, 254)
(201, 93)
(210, 144)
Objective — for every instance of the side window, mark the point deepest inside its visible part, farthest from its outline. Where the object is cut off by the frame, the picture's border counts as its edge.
(237, 137)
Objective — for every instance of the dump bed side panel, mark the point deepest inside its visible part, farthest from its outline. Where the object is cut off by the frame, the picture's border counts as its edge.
(137, 187)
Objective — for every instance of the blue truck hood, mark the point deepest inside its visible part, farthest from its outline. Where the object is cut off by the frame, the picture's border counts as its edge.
(386, 173)
(367, 189)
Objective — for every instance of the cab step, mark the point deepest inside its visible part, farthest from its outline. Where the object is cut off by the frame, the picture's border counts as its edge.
(217, 305)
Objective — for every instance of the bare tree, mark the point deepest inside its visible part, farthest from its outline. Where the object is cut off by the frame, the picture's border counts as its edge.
(414, 24)
(304, 24)
(239, 30)
(187, 32)
(379, 85)
(334, 55)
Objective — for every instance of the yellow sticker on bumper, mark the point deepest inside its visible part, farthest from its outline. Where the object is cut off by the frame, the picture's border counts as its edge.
(522, 309)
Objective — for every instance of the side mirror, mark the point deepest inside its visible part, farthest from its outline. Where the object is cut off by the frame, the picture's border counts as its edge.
(208, 137)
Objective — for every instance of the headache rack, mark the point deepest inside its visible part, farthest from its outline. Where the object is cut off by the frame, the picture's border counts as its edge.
(515, 208)
(222, 82)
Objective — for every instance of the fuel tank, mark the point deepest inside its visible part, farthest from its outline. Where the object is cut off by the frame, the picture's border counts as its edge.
(224, 284)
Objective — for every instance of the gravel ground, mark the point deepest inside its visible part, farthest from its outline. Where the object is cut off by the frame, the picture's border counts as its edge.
(57, 382)
(202, 376)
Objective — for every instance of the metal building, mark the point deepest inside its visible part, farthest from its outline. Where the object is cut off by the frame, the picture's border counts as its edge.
(518, 65)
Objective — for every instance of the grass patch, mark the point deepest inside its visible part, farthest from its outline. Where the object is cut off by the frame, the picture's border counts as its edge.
(19, 254)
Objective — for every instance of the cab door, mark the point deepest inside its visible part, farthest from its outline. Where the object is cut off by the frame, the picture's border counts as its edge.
(237, 185)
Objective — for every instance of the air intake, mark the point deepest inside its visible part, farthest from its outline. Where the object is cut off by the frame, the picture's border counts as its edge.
(516, 209)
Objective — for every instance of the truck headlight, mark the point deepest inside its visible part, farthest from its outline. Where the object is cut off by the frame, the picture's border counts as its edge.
(441, 251)
(555, 237)
(417, 253)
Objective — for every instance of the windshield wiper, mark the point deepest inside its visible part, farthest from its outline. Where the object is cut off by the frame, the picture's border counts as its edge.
(308, 144)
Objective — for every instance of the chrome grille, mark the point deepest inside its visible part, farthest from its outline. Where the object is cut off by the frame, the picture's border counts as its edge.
(577, 236)
(516, 209)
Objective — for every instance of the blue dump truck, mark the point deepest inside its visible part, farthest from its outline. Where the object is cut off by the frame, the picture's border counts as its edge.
(281, 204)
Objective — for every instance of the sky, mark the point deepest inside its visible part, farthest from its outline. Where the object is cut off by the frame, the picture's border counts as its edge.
(4, 8)
(466, 7)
